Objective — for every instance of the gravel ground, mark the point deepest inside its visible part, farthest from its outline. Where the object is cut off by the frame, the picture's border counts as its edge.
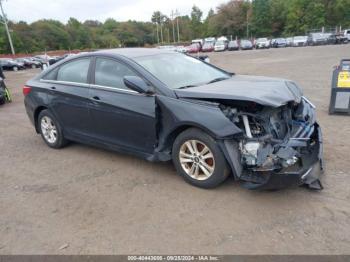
(84, 200)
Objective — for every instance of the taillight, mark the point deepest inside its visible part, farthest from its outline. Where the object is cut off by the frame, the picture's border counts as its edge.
(26, 90)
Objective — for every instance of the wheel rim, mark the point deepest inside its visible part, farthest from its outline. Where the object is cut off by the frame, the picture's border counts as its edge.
(33, 66)
(15, 68)
(48, 129)
(197, 160)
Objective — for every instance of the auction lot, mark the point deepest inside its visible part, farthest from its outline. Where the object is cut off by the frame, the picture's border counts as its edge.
(85, 200)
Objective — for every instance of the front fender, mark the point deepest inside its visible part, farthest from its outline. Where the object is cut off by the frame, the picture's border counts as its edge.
(173, 114)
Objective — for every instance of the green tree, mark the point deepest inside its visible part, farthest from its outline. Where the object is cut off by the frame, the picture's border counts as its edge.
(50, 35)
(206, 27)
(80, 36)
(278, 15)
(196, 22)
(232, 18)
(304, 15)
(261, 21)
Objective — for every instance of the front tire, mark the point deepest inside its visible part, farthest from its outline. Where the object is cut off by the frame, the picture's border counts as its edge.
(199, 160)
(50, 130)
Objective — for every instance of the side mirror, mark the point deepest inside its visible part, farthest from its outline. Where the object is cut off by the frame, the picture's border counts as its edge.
(137, 84)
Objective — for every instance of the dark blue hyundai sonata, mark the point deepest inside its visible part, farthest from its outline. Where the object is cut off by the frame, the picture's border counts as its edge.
(161, 105)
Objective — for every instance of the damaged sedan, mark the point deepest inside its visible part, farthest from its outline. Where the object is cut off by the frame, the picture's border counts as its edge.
(161, 105)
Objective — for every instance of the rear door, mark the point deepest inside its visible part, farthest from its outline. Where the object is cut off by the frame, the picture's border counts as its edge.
(121, 116)
(68, 93)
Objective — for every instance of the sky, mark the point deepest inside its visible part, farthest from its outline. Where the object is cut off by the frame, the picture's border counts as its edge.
(121, 10)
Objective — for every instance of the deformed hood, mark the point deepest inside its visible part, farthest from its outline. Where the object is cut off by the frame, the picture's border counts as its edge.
(273, 92)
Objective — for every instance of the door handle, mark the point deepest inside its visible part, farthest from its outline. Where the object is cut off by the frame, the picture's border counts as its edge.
(96, 98)
(53, 88)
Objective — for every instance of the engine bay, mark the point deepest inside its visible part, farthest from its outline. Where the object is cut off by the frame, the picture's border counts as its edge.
(273, 138)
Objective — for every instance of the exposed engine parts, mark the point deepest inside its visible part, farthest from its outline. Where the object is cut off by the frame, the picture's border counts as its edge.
(274, 138)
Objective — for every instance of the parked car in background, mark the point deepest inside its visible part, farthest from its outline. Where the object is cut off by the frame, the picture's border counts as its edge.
(279, 42)
(208, 47)
(162, 105)
(299, 41)
(193, 48)
(346, 33)
(317, 39)
(246, 44)
(336, 39)
(262, 43)
(198, 41)
(210, 40)
(233, 45)
(28, 63)
(44, 59)
(220, 45)
(181, 49)
(289, 41)
(10, 64)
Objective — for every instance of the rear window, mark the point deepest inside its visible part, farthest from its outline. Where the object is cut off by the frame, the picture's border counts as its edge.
(52, 75)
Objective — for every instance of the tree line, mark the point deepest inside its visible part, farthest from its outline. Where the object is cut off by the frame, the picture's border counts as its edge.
(237, 18)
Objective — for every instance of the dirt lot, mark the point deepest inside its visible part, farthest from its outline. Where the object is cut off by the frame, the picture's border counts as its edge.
(91, 201)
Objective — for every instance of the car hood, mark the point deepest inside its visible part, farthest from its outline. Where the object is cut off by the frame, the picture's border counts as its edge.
(273, 92)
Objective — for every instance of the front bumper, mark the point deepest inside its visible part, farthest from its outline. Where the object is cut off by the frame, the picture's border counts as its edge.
(307, 172)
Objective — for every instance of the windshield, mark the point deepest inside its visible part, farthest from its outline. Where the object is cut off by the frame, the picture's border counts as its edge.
(300, 38)
(219, 43)
(180, 71)
(261, 40)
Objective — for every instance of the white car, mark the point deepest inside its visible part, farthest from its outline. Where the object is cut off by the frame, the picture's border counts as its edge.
(220, 46)
(300, 41)
(262, 43)
(347, 33)
(289, 41)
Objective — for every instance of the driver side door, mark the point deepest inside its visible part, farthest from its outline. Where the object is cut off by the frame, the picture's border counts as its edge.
(121, 117)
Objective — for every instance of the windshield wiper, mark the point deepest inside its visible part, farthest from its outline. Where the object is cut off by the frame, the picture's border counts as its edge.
(218, 79)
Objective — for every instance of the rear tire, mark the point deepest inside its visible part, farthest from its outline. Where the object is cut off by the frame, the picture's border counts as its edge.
(50, 130)
(199, 160)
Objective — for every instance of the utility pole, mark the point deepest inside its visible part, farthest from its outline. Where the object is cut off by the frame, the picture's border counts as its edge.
(177, 14)
(172, 21)
(157, 32)
(247, 26)
(161, 29)
(7, 28)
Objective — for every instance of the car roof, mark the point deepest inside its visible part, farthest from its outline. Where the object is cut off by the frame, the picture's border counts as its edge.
(135, 52)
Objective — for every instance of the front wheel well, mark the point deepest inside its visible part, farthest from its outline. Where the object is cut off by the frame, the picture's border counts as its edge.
(36, 116)
(169, 140)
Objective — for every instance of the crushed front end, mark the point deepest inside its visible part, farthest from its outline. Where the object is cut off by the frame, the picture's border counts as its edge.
(279, 147)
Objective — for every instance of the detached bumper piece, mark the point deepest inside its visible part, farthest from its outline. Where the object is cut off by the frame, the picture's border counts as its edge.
(305, 172)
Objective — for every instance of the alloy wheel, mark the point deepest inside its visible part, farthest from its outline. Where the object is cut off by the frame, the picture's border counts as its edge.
(197, 160)
(48, 129)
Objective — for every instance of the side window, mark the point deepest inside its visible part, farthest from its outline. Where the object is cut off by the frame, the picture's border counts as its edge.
(75, 71)
(110, 73)
(52, 75)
